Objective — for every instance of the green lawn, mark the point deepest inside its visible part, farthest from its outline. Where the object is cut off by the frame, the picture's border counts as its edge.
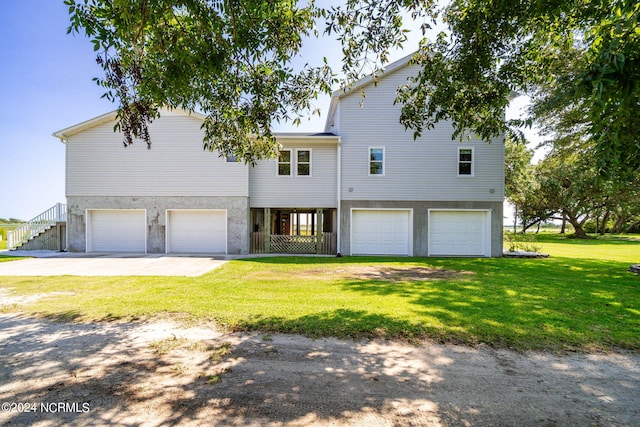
(4, 228)
(581, 298)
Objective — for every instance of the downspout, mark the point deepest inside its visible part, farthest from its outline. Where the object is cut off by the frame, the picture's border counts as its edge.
(338, 195)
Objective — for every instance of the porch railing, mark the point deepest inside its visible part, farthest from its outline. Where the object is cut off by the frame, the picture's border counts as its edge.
(293, 244)
(24, 232)
(285, 244)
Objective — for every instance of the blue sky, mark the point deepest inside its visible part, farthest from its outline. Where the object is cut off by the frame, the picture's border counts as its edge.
(46, 85)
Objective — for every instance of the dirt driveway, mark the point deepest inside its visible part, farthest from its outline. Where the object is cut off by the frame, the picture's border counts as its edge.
(159, 374)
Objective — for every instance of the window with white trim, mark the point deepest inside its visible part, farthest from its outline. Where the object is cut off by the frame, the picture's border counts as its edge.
(284, 163)
(376, 161)
(465, 161)
(303, 162)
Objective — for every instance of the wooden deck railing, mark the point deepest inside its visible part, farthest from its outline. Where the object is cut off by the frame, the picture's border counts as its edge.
(37, 225)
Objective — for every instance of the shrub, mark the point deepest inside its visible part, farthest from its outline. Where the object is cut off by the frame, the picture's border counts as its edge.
(522, 242)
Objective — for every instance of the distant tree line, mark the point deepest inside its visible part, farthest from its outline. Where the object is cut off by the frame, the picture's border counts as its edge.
(10, 221)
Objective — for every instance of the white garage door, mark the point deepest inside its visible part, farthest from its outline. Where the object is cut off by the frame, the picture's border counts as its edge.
(459, 233)
(381, 232)
(116, 230)
(197, 231)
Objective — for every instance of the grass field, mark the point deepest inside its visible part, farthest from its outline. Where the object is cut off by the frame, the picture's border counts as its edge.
(581, 298)
(3, 232)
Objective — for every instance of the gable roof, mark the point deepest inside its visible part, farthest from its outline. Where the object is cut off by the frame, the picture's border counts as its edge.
(65, 133)
(111, 116)
(362, 83)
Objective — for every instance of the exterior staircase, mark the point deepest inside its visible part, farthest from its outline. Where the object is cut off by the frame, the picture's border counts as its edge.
(46, 231)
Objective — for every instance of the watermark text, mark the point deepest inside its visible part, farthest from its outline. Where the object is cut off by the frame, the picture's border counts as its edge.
(46, 407)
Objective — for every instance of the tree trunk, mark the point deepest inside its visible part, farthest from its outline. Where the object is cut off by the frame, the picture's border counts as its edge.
(605, 219)
(633, 224)
(579, 231)
(564, 224)
(525, 226)
(577, 226)
(617, 228)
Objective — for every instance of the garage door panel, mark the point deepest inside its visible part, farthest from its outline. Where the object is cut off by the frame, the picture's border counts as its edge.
(200, 231)
(380, 232)
(116, 230)
(459, 233)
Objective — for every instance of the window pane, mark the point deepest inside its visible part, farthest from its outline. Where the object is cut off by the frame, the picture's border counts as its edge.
(285, 156)
(284, 169)
(464, 169)
(303, 169)
(376, 154)
(375, 168)
(232, 159)
(304, 156)
(465, 155)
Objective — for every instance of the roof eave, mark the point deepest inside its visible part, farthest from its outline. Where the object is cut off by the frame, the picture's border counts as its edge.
(308, 138)
(367, 80)
(333, 106)
(65, 133)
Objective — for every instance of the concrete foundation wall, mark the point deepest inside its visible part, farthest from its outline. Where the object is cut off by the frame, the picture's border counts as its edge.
(156, 207)
(421, 220)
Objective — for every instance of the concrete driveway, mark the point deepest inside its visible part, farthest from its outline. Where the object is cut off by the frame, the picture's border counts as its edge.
(50, 263)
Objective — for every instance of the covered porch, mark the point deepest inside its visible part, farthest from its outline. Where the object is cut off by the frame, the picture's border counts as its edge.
(293, 231)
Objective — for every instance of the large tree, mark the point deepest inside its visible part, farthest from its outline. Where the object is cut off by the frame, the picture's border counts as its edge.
(566, 180)
(519, 177)
(232, 60)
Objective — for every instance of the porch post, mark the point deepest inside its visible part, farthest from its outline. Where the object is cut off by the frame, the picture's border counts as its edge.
(267, 230)
(319, 231)
(313, 225)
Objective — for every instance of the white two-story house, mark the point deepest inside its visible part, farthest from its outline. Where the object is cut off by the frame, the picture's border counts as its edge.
(361, 186)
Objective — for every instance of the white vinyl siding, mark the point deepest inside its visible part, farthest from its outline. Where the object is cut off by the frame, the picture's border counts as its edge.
(319, 189)
(116, 230)
(459, 233)
(381, 232)
(197, 231)
(421, 169)
(176, 164)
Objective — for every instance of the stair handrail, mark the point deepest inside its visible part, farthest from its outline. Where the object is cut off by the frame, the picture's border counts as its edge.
(26, 230)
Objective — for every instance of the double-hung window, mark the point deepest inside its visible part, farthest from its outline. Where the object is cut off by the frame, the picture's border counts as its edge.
(284, 163)
(303, 159)
(465, 161)
(376, 161)
(294, 162)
